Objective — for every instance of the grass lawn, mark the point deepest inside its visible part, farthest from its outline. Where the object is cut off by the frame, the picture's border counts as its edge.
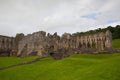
(76, 67)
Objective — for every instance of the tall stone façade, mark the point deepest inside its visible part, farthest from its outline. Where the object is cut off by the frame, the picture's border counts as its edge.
(42, 45)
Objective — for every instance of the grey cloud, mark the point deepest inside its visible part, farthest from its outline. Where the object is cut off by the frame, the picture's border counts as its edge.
(60, 16)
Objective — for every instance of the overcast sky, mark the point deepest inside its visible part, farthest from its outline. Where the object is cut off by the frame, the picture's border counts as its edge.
(28, 16)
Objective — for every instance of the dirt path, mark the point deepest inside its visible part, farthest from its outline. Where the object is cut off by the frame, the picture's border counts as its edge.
(22, 63)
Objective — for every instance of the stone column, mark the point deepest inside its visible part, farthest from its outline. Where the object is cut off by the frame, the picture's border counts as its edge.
(108, 42)
(90, 43)
(9, 46)
(102, 45)
(5, 42)
(0, 43)
(98, 44)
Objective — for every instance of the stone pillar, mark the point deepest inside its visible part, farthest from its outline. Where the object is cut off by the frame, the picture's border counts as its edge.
(11, 43)
(9, 46)
(96, 41)
(91, 43)
(108, 42)
(98, 44)
(0, 43)
(77, 42)
(81, 40)
(85, 41)
(102, 45)
(5, 43)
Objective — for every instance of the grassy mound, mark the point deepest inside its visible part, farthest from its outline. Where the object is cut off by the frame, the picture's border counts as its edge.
(76, 67)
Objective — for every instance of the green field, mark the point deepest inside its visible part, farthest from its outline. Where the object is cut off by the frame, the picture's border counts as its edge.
(75, 67)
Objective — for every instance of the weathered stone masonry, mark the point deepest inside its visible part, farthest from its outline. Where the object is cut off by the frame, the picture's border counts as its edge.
(41, 44)
(9, 45)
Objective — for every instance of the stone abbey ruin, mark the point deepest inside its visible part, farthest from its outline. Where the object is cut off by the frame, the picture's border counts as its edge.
(44, 45)
(41, 44)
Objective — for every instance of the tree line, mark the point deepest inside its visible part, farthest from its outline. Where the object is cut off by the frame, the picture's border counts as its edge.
(115, 30)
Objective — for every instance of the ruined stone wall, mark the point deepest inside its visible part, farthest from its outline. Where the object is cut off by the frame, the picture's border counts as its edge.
(32, 43)
(41, 44)
(6, 42)
(9, 45)
(6, 45)
(99, 41)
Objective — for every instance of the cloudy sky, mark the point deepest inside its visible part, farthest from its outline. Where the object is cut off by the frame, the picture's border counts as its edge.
(27, 16)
